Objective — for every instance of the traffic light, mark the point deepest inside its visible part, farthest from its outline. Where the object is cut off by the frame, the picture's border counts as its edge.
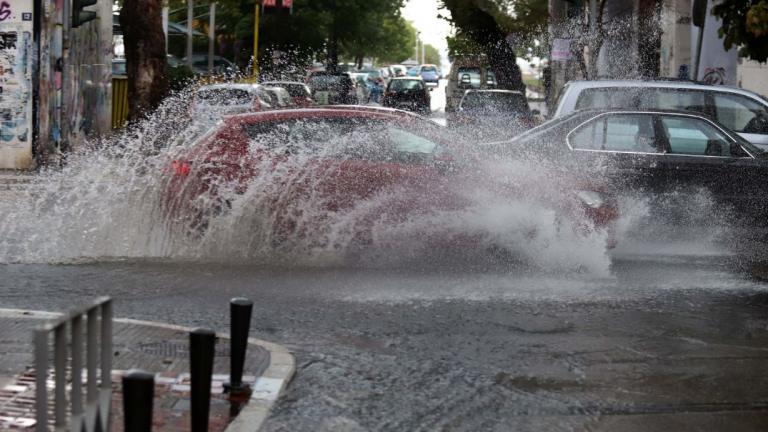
(80, 16)
(277, 6)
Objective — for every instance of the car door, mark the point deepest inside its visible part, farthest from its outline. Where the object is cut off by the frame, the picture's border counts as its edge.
(702, 157)
(744, 115)
(626, 147)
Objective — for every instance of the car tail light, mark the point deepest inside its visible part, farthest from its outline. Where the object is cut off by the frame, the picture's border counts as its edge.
(181, 168)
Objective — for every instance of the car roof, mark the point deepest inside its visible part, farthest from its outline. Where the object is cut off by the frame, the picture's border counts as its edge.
(330, 111)
(657, 83)
(231, 86)
(283, 83)
(493, 91)
(408, 78)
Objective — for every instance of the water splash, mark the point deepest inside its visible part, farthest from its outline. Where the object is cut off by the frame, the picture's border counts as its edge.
(110, 202)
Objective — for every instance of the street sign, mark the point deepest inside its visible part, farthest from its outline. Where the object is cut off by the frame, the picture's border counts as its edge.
(561, 49)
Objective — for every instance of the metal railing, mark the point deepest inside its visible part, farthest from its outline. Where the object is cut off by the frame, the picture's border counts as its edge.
(96, 318)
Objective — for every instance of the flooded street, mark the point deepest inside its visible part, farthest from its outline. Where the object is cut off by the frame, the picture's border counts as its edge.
(660, 342)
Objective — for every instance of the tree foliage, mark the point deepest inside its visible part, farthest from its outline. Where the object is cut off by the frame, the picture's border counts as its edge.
(485, 24)
(317, 28)
(431, 55)
(745, 25)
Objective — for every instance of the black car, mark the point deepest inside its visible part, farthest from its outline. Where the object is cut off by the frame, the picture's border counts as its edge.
(409, 94)
(493, 114)
(330, 88)
(660, 153)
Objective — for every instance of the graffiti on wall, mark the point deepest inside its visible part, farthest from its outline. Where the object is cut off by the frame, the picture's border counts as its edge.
(16, 92)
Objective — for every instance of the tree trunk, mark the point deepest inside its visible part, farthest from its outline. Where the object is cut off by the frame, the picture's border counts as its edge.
(145, 55)
(649, 38)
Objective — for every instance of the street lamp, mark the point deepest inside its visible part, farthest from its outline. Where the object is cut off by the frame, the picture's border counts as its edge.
(416, 56)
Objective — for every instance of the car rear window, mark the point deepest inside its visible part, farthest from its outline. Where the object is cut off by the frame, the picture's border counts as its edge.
(496, 101)
(474, 76)
(224, 96)
(402, 85)
(341, 138)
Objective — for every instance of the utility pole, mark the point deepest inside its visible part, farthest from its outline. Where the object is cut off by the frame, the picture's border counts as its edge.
(190, 17)
(416, 55)
(211, 36)
(423, 52)
(256, 41)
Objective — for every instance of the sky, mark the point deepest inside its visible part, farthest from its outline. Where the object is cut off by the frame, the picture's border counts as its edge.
(423, 15)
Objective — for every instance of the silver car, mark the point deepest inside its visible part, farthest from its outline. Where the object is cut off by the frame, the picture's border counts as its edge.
(740, 110)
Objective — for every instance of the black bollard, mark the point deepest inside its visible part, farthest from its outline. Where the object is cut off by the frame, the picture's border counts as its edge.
(240, 311)
(201, 350)
(138, 395)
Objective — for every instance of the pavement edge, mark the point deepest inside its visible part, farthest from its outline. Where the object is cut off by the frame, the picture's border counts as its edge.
(266, 390)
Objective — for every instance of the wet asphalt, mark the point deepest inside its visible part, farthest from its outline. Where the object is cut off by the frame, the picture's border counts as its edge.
(659, 343)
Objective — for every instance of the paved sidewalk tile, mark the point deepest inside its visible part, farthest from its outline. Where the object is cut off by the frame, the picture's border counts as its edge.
(158, 350)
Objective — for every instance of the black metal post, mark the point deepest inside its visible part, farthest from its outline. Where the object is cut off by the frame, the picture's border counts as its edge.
(138, 395)
(240, 311)
(201, 350)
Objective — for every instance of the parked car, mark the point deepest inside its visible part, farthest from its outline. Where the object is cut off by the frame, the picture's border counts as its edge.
(221, 66)
(278, 97)
(312, 164)
(737, 109)
(397, 70)
(300, 94)
(658, 153)
(332, 88)
(216, 100)
(494, 114)
(467, 73)
(409, 94)
(430, 74)
(412, 71)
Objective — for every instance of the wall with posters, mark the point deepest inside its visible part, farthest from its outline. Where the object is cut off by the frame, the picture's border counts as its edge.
(16, 83)
(75, 79)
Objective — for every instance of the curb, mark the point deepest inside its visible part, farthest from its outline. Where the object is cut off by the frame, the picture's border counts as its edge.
(266, 390)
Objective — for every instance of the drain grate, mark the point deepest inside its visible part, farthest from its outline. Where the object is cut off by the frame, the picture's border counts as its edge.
(177, 349)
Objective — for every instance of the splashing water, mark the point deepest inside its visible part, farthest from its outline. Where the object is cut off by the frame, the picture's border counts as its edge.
(110, 202)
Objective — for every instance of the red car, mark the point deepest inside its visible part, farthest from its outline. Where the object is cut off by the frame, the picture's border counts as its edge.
(346, 174)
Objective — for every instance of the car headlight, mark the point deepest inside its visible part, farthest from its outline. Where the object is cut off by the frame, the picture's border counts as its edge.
(591, 199)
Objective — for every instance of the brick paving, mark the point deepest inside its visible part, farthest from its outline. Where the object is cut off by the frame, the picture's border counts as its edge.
(159, 350)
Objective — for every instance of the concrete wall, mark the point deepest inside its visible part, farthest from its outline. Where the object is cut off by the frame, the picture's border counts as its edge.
(753, 76)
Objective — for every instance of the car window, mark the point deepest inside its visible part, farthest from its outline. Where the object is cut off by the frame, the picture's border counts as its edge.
(490, 79)
(620, 132)
(474, 76)
(224, 96)
(402, 85)
(341, 138)
(607, 97)
(692, 136)
(741, 114)
(673, 99)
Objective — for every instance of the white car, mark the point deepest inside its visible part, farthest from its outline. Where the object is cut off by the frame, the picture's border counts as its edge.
(740, 110)
(221, 99)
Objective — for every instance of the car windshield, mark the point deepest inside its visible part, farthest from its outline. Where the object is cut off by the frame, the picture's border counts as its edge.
(224, 96)
(405, 85)
(496, 101)
(469, 76)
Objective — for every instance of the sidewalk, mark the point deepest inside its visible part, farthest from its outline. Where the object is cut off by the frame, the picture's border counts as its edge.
(154, 347)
